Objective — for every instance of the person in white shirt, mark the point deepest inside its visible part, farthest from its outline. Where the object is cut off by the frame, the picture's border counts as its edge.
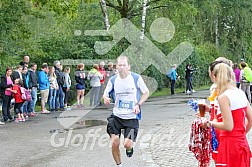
(126, 112)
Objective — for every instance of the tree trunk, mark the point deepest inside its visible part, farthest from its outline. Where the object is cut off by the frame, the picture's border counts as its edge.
(143, 18)
(143, 27)
(105, 14)
(217, 30)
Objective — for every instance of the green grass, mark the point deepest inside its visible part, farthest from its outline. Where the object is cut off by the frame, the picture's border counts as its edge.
(167, 91)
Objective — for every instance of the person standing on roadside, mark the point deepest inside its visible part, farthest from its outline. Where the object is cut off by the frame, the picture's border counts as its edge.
(33, 86)
(174, 77)
(59, 101)
(80, 78)
(44, 85)
(237, 73)
(94, 76)
(6, 92)
(102, 70)
(67, 86)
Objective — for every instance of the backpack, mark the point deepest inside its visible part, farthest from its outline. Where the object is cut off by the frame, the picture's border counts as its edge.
(25, 94)
(248, 74)
(135, 77)
(169, 73)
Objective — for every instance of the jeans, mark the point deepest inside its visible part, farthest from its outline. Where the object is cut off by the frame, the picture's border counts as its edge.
(32, 103)
(59, 102)
(6, 108)
(24, 107)
(189, 84)
(52, 99)
(94, 95)
(172, 86)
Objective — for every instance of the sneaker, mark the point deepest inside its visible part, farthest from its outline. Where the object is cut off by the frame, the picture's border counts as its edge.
(11, 119)
(23, 120)
(45, 112)
(18, 120)
(62, 109)
(188, 92)
(2, 123)
(32, 114)
(193, 91)
(129, 153)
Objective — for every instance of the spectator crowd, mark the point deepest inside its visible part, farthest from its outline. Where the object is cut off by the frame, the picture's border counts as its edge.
(53, 83)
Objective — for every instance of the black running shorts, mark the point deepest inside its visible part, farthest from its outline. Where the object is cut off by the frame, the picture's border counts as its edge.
(129, 126)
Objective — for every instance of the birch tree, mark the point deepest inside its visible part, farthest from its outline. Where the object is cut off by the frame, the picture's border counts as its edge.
(105, 14)
(143, 18)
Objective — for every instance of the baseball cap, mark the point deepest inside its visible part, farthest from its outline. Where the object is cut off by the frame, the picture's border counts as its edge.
(242, 59)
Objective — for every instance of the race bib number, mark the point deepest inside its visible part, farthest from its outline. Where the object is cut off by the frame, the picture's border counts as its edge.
(123, 104)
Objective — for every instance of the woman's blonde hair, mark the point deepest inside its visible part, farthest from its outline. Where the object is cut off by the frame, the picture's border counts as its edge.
(224, 75)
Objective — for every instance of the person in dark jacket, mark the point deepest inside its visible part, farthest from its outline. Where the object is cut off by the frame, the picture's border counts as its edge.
(59, 102)
(189, 72)
(6, 92)
(17, 73)
(80, 84)
(33, 86)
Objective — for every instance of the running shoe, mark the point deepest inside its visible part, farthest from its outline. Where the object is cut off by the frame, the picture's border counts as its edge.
(129, 153)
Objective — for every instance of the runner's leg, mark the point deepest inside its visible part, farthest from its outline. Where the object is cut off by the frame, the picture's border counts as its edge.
(115, 148)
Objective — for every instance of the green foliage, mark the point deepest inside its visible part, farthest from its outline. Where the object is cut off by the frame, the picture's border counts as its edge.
(45, 29)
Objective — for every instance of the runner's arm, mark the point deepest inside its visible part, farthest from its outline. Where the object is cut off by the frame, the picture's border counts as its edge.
(108, 88)
(141, 101)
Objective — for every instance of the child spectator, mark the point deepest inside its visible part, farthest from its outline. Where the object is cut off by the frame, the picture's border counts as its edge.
(18, 100)
(66, 85)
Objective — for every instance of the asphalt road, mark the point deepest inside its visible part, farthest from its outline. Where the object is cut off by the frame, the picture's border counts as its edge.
(42, 141)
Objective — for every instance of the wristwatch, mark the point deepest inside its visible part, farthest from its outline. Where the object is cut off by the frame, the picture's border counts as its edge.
(138, 105)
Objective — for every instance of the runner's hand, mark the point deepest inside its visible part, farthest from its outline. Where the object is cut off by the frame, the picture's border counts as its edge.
(136, 109)
(106, 100)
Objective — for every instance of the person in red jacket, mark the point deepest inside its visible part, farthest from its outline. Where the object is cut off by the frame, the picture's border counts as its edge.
(18, 100)
(102, 81)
